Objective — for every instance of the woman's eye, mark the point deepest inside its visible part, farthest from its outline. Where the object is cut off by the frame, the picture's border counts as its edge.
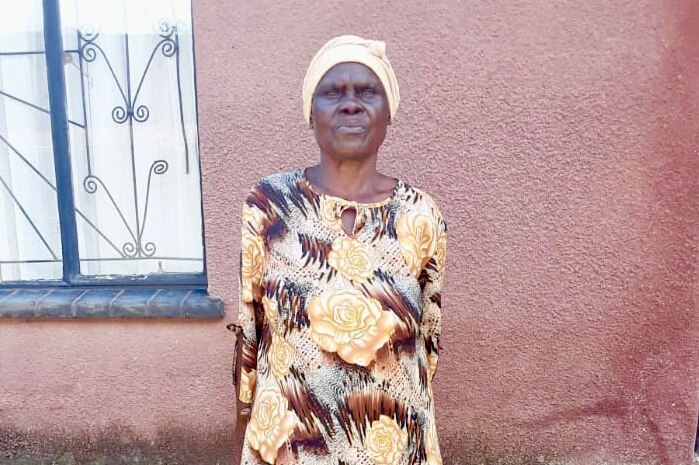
(332, 93)
(368, 92)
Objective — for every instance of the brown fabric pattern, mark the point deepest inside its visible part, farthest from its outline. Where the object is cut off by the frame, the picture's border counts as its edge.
(340, 332)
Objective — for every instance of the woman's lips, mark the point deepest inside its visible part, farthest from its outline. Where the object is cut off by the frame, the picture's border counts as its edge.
(350, 129)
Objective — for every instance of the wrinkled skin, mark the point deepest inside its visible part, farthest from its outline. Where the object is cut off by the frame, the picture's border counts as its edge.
(350, 117)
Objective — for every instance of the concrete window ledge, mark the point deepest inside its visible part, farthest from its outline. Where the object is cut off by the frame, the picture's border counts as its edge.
(129, 302)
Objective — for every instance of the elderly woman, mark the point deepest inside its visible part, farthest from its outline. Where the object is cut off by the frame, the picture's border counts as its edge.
(340, 278)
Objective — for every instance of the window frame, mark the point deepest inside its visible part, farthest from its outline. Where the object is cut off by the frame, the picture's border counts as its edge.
(53, 52)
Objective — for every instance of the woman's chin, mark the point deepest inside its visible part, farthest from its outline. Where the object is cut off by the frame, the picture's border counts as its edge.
(349, 150)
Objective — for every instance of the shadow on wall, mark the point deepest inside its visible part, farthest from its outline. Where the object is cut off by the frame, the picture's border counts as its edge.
(178, 446)
(115, 446)
(467, 449)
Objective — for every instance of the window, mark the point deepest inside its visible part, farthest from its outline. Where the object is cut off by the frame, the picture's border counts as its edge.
(99, 162)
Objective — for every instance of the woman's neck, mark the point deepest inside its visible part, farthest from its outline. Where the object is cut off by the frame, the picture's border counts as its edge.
(350, 179)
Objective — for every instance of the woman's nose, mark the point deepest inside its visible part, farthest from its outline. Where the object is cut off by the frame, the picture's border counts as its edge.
(350, 105)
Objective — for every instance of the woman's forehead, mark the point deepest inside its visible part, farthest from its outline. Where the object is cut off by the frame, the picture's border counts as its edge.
(349, 72)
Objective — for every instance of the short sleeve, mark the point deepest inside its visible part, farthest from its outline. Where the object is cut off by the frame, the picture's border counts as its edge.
(252, 262)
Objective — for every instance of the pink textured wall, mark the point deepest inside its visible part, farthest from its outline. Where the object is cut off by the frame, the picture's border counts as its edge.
(560, 140)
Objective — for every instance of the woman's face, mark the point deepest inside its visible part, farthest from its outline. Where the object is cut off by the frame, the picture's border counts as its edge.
(350, 112)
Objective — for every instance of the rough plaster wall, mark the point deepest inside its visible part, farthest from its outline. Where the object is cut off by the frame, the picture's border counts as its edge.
(560, 140)
(149, 378)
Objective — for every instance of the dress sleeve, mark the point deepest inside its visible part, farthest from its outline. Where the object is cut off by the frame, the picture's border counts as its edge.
(431, 321)
(252, 261)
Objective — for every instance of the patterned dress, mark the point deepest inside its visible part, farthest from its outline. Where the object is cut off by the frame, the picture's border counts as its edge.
(340, 331)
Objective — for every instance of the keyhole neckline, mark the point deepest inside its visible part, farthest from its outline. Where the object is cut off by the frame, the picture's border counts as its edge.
(347, 202)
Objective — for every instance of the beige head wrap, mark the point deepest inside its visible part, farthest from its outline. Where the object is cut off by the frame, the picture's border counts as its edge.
(351, 49)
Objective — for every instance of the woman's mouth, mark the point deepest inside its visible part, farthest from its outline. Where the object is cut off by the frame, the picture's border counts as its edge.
(350, 129)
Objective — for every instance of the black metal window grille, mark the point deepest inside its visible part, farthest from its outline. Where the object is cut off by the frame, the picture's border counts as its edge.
(128, 114)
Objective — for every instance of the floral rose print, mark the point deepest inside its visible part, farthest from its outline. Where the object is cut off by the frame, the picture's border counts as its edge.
(351, 258)
(271, 310)
(417, 242)
(350, 324)
(271, 423)
(432, 364)
(441, 252)
(340, 341)
(247, 385)
(434, 457)
(327, 214)
(385, 441)
(280, 356)
(251, 266)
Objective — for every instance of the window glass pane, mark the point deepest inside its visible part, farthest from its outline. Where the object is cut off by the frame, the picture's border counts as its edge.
(21, 26)
(30, 240)
(130, 82)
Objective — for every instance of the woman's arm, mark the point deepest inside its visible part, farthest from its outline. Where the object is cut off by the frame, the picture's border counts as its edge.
(242, 409)
(252, 258)
(431, 321)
